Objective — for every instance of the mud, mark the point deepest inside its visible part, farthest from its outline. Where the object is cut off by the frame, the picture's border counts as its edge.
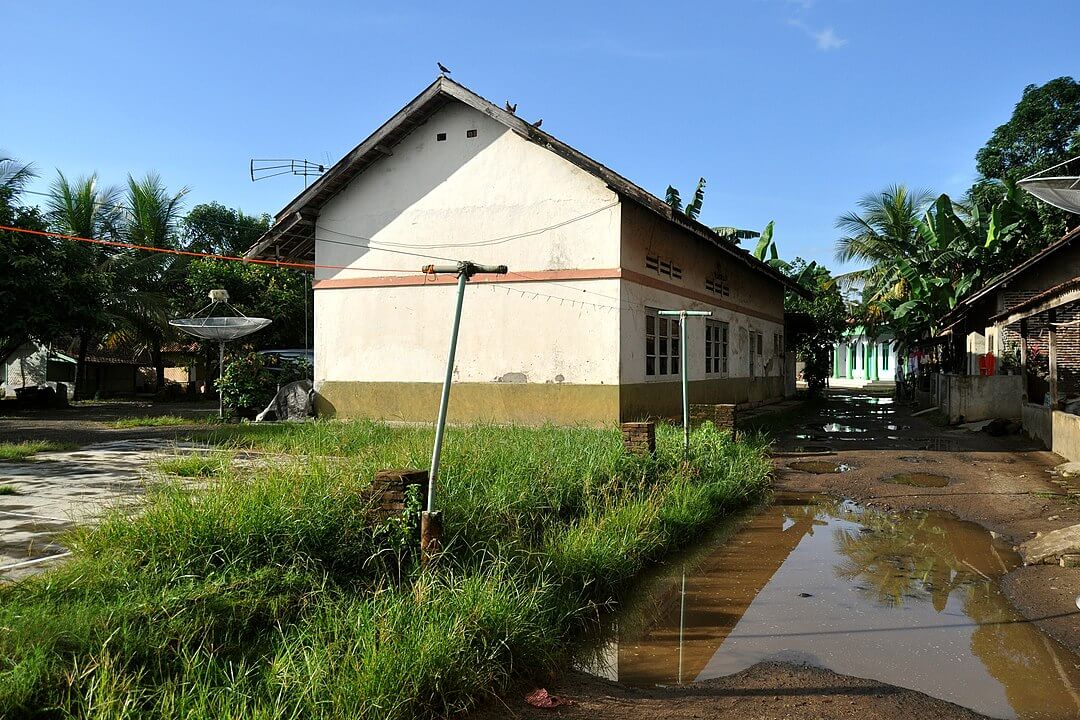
(918, 479)
(817, 466)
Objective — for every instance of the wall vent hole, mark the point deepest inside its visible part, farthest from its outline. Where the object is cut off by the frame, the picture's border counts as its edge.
(440, 137)
(470, 133)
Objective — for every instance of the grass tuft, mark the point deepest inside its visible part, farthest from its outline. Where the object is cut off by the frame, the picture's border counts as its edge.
(22, 450)
(158, 421)
(9, 490)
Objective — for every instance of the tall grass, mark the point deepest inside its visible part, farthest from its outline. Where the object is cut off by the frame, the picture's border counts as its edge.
(269, 593)
(22, 450)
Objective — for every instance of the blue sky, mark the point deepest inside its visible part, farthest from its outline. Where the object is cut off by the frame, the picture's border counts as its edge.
(791, 109)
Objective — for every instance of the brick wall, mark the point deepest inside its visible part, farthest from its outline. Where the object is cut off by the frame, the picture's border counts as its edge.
(388, 489)
(1068, 344)
(722, 416)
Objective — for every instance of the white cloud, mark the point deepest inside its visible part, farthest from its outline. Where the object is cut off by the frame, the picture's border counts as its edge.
(826, 39)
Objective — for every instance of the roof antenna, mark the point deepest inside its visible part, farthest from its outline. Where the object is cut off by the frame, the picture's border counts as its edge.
(262, 168)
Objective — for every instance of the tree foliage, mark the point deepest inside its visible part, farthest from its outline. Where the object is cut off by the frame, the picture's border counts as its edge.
(1042, 132)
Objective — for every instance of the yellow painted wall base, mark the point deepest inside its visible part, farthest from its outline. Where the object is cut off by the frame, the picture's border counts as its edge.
(520, 403)
(534, 403)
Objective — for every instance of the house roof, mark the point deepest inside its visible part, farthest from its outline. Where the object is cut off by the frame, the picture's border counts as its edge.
(964, 306)
(292, 236)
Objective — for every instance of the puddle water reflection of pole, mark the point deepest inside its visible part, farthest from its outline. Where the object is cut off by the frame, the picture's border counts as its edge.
(682, 621)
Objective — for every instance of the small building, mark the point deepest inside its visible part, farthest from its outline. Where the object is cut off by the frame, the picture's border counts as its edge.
(859, 359)
(1013, 348)
(35, 365)
(571, 334)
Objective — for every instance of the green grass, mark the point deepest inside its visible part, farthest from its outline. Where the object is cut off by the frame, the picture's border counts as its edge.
(9, 490)
(192, 466)
(268, 594)
(157, 421)
(23, 450)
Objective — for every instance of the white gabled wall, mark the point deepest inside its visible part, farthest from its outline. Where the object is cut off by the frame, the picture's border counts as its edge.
(442, 198)
(464, 197)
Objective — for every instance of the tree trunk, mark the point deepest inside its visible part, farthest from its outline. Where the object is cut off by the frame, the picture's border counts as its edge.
(159, 367)
(80, 369)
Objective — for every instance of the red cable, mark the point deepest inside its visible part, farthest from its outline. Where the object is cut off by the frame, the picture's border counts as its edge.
(212, 256)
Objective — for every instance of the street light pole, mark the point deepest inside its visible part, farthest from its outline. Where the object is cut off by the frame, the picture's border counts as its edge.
(682, 315)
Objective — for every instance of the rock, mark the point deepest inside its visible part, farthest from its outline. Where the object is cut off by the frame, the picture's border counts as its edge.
(1047, 548)
(1070, 560)
(1068, 470)
(997, 427)
(292, 403)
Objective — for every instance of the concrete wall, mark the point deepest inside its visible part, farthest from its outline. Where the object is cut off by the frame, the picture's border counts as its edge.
(752, 304)
(544, 349)
(971, 398)
(562, 337)
(1059, 431)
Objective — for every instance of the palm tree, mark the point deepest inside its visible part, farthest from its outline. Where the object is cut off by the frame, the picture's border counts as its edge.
(885, 228)
(152, 219)
(82, 208)
(14, 175)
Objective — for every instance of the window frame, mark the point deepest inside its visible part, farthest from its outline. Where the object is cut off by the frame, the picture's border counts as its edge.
(665, 356)
(717, 345)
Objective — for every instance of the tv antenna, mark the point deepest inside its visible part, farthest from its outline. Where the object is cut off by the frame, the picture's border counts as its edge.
(264, 168)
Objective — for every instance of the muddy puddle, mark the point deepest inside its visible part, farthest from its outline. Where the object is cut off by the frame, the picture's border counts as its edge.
(907, 599)
(918, 479)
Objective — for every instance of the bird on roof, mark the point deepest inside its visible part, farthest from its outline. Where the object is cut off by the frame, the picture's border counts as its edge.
(538, 123)
(442, 68)
(511, 108)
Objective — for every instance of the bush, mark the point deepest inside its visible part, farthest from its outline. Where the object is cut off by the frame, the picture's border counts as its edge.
(251, 381)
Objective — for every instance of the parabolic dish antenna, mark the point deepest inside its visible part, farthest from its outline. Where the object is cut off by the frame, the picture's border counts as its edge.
(1058, 186)
(207, 325)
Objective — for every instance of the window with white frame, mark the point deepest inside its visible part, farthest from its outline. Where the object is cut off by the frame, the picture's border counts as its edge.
(716, 348)
(661, 345)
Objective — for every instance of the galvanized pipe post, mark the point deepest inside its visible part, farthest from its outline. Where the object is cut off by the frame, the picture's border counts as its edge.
(220, 374)
(682, 315)
(430, 521)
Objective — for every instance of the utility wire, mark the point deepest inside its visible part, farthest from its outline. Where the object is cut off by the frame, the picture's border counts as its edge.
(191, 253)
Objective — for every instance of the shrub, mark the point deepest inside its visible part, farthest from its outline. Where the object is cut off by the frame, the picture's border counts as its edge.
(251, 381)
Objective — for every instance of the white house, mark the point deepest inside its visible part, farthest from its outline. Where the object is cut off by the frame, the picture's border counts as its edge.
(34, 365)
(860, 359)
(571, 334)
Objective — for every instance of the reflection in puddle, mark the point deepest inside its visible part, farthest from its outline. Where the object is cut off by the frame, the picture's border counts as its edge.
(907, 599)
(838, 428)
(819, 467)
(918, 479)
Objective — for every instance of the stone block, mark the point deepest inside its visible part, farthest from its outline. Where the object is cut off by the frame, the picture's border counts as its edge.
(639, 438)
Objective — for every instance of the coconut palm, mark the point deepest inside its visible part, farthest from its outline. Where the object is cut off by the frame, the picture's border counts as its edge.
(83, 208)
(151, 219)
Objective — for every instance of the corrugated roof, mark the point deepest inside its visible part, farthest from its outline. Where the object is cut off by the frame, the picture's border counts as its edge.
(293, 235)
(964, 306)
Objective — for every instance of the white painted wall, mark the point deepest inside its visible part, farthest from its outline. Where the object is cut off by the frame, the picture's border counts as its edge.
(402, 334)
(440, 198)
(632, 351)
(450, 195)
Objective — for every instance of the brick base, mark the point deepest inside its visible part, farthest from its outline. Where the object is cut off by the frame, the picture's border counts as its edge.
(722, 416)
(388, 490)
(639, 438)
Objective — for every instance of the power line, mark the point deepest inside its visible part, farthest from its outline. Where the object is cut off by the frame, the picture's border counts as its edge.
(191, 253)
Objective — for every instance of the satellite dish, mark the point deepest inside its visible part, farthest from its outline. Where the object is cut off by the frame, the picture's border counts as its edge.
(1058, 186)
(207, 325)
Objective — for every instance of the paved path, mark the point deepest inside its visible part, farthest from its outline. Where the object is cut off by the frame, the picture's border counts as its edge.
(58, 489)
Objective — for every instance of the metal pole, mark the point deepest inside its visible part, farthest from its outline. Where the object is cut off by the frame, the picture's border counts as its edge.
(683, 364)
(685, 385)
(220, 372)
(465, 270)
(440, 424)
(682, 622)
